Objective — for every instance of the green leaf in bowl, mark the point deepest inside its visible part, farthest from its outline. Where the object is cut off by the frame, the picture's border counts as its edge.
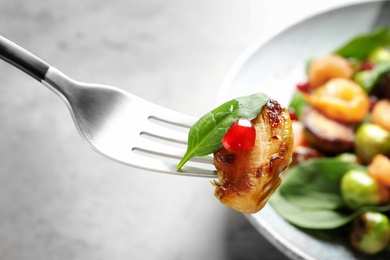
(368, 79)
(308, 217)
(298, 104)
(362, 45)
(310, 196)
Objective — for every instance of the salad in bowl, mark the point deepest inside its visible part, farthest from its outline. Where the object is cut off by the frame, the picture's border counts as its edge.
(339, 180)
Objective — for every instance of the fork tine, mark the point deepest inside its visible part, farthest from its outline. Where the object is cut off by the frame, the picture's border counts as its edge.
(152, 147)
(146, 146)
(187, 122)
(166, 115)
(159, 132)
(156, 165)
(163, 133)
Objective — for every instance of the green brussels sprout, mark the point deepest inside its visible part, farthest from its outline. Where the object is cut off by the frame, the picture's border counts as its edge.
(359, 189)
(370, 140)
(364, 78)
(379, 55)
(347, 157)
(370, 232)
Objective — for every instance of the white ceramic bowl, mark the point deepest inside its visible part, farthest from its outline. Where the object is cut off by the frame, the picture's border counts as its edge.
(274, 67)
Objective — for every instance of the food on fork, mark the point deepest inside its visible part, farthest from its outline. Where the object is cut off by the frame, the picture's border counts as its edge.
(247, 178)
(252, 141)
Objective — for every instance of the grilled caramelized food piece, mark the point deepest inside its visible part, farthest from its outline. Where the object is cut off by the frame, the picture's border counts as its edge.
(326, 134)
(247, 179)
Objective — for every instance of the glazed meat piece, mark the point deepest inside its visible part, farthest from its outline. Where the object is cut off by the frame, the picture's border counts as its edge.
(247, 178)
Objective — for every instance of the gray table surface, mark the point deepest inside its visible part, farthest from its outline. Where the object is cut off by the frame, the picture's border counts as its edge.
(61, 200)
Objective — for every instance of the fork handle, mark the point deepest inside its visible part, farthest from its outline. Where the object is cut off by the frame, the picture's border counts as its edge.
(23, 59)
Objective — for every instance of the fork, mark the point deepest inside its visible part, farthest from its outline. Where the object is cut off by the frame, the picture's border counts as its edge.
(115, 123)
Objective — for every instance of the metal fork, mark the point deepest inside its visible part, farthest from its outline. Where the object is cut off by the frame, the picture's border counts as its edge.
(115, 123)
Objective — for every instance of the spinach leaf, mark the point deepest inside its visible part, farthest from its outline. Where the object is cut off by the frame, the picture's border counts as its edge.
(298, 104)
(310, 197)
(360, 46)
(205, 136)
(368, 79)
(316, 218)
(306, 217)
(316, 183)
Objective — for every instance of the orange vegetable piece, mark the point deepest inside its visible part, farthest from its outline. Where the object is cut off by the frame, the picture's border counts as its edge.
(379, 169)
(381, 114)
(340, 99)
(325, 68)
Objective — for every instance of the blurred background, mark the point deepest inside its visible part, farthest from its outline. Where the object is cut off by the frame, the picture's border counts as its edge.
(61, 200)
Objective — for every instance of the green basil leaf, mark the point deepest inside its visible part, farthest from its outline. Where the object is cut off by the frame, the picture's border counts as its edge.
(361, 46)
(310, 197)
(367, 79)
(205, 136)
